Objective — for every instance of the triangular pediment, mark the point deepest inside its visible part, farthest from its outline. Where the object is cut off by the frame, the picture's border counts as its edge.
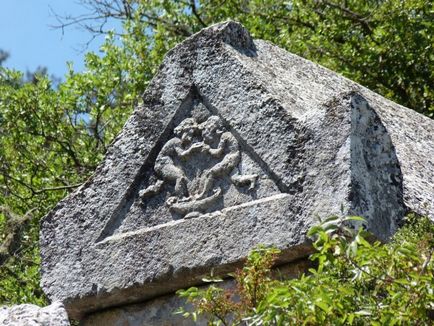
(199, 166)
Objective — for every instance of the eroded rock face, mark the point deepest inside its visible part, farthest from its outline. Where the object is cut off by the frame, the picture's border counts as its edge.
(162, 310)
(32, 315)
(238, 143)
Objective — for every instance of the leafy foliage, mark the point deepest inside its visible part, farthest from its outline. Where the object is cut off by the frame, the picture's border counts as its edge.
(356, 282)
(253, 283)
(53, 134)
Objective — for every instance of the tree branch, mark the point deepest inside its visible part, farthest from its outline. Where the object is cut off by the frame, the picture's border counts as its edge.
(195, 13)
(355, 17)
(14, 226)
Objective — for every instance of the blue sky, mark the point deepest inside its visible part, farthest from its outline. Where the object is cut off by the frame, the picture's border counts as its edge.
(26, 34)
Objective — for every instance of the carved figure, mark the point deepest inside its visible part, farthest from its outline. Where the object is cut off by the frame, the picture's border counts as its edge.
(165, 164)
(213, 132)
(195, 207)
(213, 141)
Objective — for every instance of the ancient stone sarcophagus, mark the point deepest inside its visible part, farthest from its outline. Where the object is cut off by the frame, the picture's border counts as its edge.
(238, 143)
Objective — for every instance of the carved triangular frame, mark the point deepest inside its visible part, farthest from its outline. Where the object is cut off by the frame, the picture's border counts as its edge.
(184, 110)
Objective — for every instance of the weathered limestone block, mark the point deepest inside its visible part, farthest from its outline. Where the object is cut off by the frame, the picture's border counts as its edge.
(162, 310)
(238, 143)
(32, 315)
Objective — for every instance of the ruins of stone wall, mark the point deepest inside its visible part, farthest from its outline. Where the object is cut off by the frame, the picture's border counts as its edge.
(238, 142)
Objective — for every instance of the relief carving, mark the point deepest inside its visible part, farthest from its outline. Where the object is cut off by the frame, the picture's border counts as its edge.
(192, 164)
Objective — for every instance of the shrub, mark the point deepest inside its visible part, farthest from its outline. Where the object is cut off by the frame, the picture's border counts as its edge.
(356, 282)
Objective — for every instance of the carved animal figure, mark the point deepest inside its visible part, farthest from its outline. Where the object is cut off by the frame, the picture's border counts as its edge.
(195, 207)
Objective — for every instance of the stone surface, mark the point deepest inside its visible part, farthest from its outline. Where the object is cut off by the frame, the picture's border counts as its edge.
(238, 143)
(31, 315)
(162, 311)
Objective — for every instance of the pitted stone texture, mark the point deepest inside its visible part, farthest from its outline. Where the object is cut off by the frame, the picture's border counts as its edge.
(31, 315)
(162, 311)
(318, 143)
(156, 312)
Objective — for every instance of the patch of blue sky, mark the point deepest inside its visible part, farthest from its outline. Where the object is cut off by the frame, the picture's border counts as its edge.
(26, 32)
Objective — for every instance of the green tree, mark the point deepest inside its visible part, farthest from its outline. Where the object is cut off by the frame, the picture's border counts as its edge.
(53, 135)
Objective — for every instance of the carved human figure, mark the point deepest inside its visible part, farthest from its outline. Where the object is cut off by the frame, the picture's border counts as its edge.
(172, 161)
(179, 147)
(214, 133)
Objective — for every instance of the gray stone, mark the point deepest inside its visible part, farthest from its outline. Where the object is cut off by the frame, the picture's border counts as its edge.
(32, 315)
(238, 143)
(162, 311)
